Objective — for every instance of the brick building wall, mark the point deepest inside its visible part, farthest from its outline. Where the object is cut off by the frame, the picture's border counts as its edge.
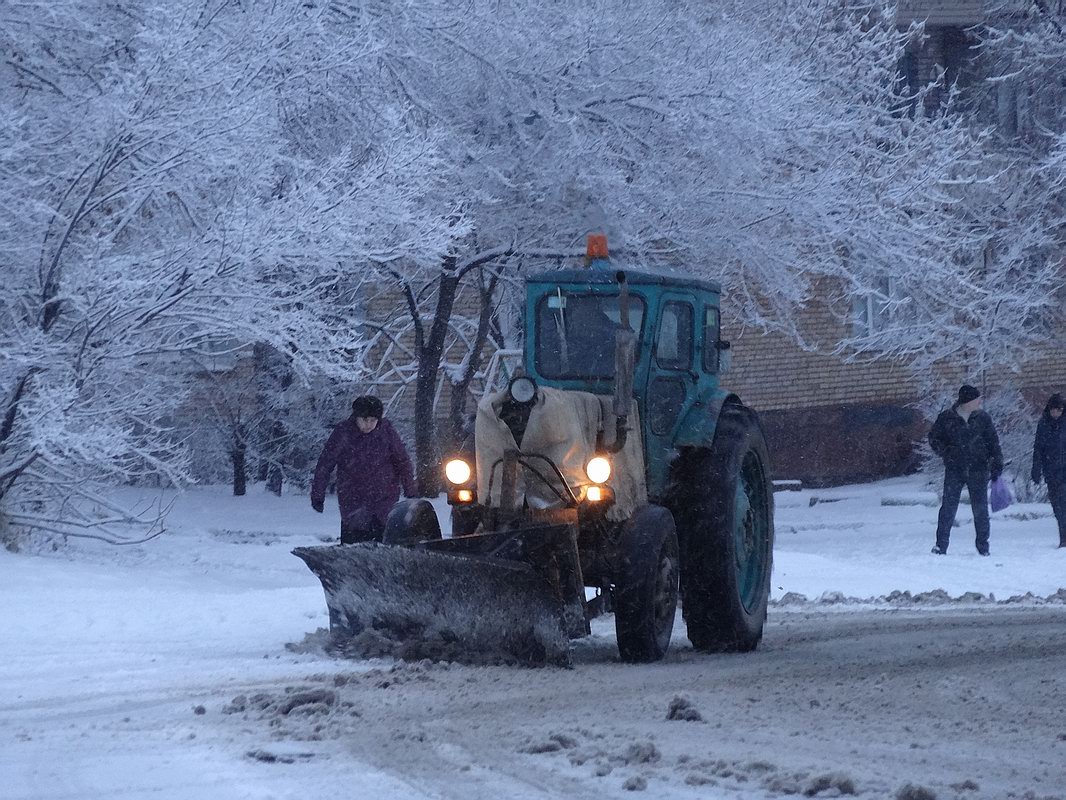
(227, 385)
(959, 13)
(831, 421)
(398, 392)
(828, 420)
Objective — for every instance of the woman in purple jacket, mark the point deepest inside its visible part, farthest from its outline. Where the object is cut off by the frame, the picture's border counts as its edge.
(372, 466)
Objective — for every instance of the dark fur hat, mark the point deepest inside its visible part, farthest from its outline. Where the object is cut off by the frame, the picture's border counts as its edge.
(367, 406)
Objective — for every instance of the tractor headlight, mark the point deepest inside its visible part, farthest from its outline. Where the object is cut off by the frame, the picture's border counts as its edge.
(598, 495)
(457, 471)
(523, 389)
(598, 469)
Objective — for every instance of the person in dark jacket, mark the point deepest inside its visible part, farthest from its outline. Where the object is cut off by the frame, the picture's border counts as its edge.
(372, 466)
(966, 439)
(1049, 459)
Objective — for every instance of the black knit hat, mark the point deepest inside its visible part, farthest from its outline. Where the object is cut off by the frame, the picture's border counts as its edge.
(1056, 401)
(968, 393)
(367, 406)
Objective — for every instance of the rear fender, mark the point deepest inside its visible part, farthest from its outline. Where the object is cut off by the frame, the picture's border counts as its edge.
(698, 426)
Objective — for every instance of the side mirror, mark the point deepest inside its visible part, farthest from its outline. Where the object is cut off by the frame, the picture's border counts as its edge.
(725, 356)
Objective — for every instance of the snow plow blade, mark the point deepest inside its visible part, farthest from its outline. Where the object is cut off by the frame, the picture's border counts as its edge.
(414, 603)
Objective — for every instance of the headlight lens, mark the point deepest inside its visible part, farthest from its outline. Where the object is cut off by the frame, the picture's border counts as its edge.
(457, 471)
(523, 389)
(598, 469)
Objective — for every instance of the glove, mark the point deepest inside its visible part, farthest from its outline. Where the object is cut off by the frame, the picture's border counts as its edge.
(1035, 477)
(995, 474)
(317, 505)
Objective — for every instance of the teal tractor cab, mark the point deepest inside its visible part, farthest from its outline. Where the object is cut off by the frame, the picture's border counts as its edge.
(613, 471)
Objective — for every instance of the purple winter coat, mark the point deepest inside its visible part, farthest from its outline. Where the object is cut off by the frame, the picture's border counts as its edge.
(371, 470)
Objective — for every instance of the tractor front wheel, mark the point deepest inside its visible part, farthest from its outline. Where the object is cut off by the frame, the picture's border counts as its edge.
(726, 501)
(645, 592)
(465, 519)
(410, 522)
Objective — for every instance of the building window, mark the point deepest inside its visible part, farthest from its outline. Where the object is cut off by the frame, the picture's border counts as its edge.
(872, 313)
(1030, 109)
(956, 54)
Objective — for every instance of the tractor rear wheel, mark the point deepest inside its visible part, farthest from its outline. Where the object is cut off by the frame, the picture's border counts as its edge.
(645, 593)
(727, 535)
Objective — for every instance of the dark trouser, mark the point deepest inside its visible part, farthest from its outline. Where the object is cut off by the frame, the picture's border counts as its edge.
(977, 483)
(1057, 493)
(361, 529)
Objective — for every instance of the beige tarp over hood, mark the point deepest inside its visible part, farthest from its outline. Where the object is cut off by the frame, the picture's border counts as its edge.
(562, 426)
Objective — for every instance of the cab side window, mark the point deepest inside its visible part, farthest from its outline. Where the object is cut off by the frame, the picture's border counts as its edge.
(673, 348)
(711, 324)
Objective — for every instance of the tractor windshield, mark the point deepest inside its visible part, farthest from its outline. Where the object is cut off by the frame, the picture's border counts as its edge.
(575, 333)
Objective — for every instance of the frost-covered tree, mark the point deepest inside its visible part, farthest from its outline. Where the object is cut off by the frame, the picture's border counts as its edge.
(251, 419)
(985, 294)
(185, 177)
(155, 201)
(768, 145)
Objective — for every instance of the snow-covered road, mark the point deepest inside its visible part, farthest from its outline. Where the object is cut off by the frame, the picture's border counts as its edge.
(121, 668)
(963, 703)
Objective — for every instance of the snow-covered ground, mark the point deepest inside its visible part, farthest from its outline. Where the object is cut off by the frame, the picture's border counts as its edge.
(870, 540)
(121, 667)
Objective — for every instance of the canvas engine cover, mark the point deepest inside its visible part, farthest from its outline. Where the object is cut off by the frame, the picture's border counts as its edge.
(563, 427)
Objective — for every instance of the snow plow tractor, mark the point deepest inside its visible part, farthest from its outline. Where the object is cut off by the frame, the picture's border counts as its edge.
(612, 471)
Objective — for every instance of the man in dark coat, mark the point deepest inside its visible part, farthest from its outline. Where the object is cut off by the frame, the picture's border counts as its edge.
(1049, 459)
(966, 439)
(372, 466)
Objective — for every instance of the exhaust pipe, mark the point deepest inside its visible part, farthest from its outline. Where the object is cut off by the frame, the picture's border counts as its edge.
(625, 351)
